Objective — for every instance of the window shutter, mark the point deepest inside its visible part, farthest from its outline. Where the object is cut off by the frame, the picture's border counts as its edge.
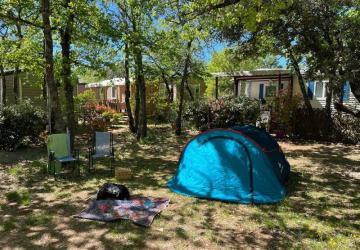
(310, 89)
(261, 91)
(346, 91)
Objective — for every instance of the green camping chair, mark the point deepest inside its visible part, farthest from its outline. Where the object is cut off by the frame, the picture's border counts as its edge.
(102, 147)
(59, 153)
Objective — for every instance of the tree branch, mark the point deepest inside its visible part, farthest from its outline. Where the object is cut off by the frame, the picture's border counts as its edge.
(11, 17)
(341, 107)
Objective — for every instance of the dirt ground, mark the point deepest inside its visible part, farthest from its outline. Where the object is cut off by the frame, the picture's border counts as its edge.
(321, 210)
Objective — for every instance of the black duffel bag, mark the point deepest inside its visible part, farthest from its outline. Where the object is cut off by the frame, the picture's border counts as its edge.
(113, 191)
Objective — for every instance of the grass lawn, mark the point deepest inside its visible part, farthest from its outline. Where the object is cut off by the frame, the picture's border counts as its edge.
(321, 211)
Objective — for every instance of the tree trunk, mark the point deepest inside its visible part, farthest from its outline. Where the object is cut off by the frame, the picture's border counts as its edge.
(3, 79)
(49, 70)
(142, 125)
(127, 91)
(168, 88)
(178, 121)
(16, 84)
(44, 94)
(190, 92)
(173, 86)
(329, 95)
(295, 64)
(65, 41)
(137, 103)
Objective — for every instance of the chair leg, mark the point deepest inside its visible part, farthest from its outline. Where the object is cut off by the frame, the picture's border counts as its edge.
(89, 163)
(77, 168)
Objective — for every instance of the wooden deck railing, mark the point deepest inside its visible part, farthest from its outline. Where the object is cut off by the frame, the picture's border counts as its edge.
(114, 104)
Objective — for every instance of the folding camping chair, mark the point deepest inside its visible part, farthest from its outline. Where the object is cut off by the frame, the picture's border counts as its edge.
(59, 153)
(103, 147)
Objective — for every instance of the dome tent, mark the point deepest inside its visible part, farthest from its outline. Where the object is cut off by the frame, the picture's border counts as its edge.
(242, 164)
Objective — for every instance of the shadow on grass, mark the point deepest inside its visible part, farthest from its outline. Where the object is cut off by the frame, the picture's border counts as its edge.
(322, 192)
(40, 217)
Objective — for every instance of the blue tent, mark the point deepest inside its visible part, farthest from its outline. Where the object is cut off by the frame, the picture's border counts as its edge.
(243, 164)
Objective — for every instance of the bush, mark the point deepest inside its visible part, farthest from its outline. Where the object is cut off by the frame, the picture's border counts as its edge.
(347, 128)
(284, 109)
(20, 124)
(222, 113)
(91, 118)
(165, 112)
(198, 114)
(111, 116)
(305, 127)
(85, 98)
(344, 128)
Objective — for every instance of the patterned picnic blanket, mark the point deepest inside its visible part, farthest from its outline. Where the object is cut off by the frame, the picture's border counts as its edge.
(140, 210)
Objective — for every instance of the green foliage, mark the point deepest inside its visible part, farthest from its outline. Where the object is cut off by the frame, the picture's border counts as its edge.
(20, 124)
(165, 112)
(111, 116)
(8, 225)
(222, 113)
(284, 108)
(39, 219)
(198, 114)
(93, 116)
(20, 197)
(87, 97)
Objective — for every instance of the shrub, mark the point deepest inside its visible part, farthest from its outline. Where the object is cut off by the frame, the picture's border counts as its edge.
(198, 114)
(92, 115)
(164, 112)
(91, 118)
(344, 128)
(347, 128)
(305, 127)
(284, 109)
(222, 113)
(20, 124)
(85, 98)
(111, 116)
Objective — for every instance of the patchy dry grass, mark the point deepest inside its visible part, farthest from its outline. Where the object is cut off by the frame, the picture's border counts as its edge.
(321, 211)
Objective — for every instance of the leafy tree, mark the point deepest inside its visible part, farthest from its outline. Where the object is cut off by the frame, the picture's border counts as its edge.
(324, 34)
(56, 113)
(189, 33)
(135, 19)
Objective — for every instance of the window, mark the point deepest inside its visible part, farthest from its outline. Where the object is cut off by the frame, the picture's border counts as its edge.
(113, 92)
(319, 89)
(316, 89)
(270, 91)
